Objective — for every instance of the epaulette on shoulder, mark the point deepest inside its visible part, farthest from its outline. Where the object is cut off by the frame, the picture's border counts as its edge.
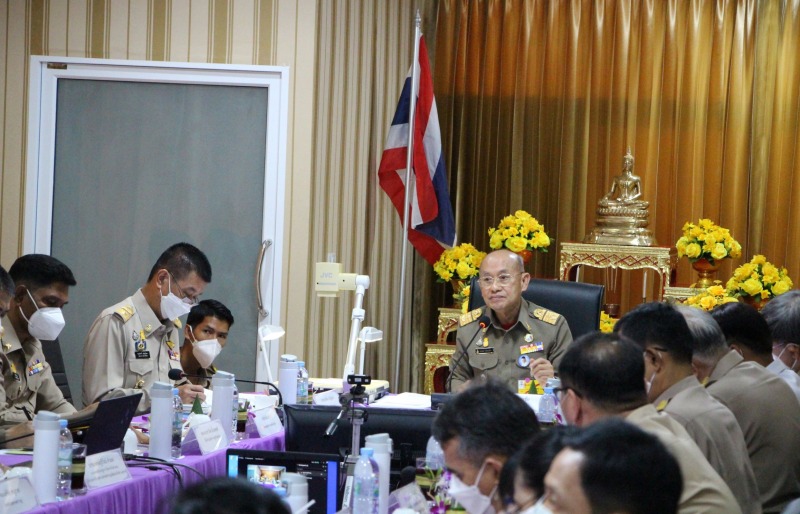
(547, 316)
(469, 317)
(177, 322)
(125, 312)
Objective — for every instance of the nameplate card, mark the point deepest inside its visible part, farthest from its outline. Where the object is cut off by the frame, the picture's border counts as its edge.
(267, 421)
(105, 468)
(210, 436)
(17, 495)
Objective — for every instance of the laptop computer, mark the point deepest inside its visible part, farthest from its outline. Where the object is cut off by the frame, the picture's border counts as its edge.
(106, 428)
(323, 471)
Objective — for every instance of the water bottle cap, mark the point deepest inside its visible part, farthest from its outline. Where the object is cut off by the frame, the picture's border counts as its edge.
(175, 391)
(548, 390)
(62, 423)
(369, 452)
(301, 364)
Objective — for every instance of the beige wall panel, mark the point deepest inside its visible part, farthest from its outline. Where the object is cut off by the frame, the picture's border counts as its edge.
(77, 19)
(179, 31)
(199, 32)
(57, 28)
(139, 30)
(16, 75)
(118, 29)
(242, 32)
(5, 199)
(265, 32)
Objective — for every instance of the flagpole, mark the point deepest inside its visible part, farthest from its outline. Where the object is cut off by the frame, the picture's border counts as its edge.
(412, 111)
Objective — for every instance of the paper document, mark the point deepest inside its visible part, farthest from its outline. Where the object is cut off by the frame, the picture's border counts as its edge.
(404, 401)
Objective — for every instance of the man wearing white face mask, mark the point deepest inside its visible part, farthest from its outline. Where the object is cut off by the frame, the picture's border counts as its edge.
(479, 429)
(204, 337)
(41, 290)
(135, 343)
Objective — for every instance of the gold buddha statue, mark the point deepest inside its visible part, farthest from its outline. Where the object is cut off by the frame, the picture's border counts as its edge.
(622, 217)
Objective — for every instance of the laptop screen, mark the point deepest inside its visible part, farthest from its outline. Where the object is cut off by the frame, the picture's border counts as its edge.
(266, 468)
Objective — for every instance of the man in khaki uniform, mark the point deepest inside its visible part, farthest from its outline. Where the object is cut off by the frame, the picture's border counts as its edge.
(663, 335)
(41, 290)
(764, 406)
(136, 342)
(521, 340)
(204, 336)
(601, 377)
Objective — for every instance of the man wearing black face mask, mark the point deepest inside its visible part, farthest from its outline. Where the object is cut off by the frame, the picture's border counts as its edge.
(41, 290)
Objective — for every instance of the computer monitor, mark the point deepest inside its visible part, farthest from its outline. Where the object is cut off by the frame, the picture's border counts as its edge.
(409, 430)
(323, 471)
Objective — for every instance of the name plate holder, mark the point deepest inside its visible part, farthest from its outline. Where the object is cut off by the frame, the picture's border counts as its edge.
(17, 495)
(209, 437)
(267, 421)
(106, 468)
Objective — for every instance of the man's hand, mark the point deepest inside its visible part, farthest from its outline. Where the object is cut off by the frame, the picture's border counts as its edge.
(17, 431)
(188, 392)
(541, 370)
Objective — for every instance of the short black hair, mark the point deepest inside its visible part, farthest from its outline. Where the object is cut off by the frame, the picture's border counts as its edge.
(742, 324)
(225, 495)
(533, 460)
(625, 469)
(658, 324)
(37, 270)
(782, 314)
(181, 259)
(207, 308)
(488, 419)
(6, 282)
(607, 370)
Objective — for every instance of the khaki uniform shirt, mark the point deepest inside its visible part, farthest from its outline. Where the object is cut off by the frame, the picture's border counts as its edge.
(769, 415)
(703, 489)
(127, 349)
(27, 380)
(495, 353)
(715, 431)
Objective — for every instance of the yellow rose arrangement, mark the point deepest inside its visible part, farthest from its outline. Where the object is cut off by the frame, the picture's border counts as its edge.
(462, 297)
(607, 323)
(461, 262)
(710, 297)
(707, 240)
(517, 232)
(760, 279)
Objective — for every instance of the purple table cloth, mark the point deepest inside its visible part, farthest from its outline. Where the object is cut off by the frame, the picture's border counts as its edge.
(148, 490)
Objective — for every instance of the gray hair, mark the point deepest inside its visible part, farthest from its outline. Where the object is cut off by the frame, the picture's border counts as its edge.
(783, 317)
(708, 340)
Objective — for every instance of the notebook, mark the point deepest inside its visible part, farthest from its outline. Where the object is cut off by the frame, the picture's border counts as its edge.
(110, 422)
(322, 470)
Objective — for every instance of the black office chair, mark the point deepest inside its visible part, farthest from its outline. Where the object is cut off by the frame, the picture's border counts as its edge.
(578, 302)
(52, 354)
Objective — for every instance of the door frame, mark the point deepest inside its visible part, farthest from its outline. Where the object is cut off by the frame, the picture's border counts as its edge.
(46, 71)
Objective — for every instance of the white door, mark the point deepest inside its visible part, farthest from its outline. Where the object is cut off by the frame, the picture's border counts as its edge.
(126, 158)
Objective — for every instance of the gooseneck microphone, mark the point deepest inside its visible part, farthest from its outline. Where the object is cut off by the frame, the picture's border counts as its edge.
(483, 322)
(177, 374)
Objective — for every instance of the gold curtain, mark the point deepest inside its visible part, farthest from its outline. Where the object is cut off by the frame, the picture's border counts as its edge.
(539, 99)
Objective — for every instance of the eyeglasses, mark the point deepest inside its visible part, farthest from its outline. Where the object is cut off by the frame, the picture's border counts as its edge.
(186, 297)
(561, 391)
(501, 280)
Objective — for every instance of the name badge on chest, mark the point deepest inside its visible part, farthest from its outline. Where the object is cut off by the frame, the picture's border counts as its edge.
(484, 351)
(140, 346)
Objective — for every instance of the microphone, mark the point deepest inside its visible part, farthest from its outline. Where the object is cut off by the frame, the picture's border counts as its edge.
(177, 374)
(483, 322)
(407, 476)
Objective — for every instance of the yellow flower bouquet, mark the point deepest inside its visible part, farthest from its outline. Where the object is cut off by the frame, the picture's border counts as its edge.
(518, 232)
(461, 262)
(759, 279)
(710, 298)
(607, 323)
(707, 240)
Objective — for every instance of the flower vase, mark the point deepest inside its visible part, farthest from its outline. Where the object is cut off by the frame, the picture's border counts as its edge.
(754, 301)
(526, 255)
(706, 271)
(458, 285)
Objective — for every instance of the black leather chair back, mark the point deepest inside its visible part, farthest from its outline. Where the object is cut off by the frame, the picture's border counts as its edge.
(578, 302)
(52, 354)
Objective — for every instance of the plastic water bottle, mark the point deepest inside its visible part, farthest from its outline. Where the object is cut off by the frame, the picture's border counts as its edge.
(234, 412)
(302, 383)
(177, 423)
(366, 486)
(434, 456)
(547, 407)
(64, 461)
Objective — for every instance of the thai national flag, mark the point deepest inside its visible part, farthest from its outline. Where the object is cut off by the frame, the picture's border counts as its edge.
(431, 212)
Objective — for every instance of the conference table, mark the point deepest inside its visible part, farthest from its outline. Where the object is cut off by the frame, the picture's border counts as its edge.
(149, 490)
